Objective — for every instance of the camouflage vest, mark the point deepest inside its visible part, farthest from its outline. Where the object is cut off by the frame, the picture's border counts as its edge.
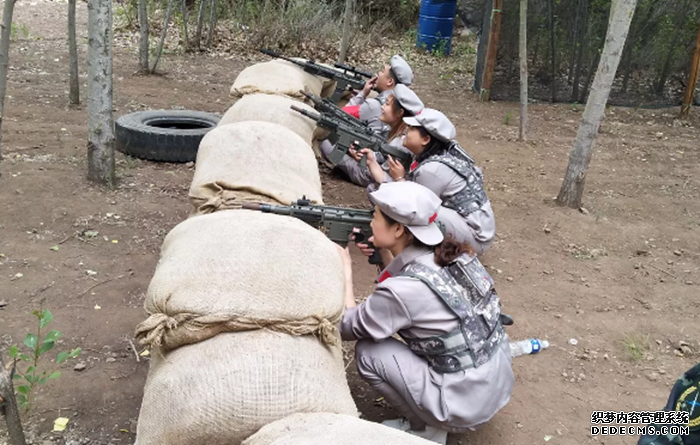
(467, 290)
(684, 398)
(472, 197)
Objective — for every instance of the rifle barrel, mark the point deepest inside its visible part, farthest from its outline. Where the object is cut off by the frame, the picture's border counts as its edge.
(251, 206)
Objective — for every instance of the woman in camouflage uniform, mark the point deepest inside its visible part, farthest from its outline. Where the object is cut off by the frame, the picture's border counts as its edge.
(447, 169)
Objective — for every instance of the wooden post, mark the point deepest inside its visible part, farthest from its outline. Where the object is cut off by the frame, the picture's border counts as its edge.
(692, 79)
(523, 70)
(349, 6)
(492, 51)
(5, 56)
(8, 405)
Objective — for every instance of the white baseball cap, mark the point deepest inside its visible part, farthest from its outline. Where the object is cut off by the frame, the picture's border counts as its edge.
(412, 205)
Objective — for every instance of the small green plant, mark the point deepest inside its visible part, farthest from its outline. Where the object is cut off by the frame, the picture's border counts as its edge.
(574, 106)
(508, 118)
(440, 50)
(636, 346)
(37, 345)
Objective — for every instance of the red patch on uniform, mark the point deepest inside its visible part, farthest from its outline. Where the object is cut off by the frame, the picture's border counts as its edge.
(353, 110)
(384, 276)
(414, 165)
(432, 218)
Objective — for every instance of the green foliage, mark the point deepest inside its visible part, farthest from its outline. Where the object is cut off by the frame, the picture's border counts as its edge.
(508, 118)
(17, 30)
(35, 346)
(636, 346)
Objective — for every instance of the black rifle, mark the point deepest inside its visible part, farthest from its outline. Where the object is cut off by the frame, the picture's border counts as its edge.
(352, 69)
(326, 106)
(346, 80)
(345, 136)
(338, 223)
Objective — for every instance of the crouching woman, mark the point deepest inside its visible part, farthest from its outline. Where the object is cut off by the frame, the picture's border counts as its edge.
(452, 372)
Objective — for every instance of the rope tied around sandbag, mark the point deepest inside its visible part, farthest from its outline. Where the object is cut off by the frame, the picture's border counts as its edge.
(226, 196)
(160, 329)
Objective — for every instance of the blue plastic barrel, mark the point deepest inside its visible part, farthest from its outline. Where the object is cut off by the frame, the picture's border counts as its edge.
(435, 24)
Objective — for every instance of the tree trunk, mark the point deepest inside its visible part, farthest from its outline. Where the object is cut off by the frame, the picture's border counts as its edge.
(523, 70)
(492, 51)
(144, 35)
(8, 406)
(159, 51)
(553, 50)
(185, 36)
(200, 24)
(99, 103)
(671, 51)
(580, 50)
(212, 23)
(692, 79)
(589, 77)
(575, 41)
(349, 6)
(143, 43)
(74, 96)
(5, 56)
(571, 191)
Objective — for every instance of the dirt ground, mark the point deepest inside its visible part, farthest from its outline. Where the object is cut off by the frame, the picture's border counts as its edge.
(621, 275)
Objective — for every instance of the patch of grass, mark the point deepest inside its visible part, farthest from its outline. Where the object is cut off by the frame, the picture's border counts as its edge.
(584, 253)
(508, 117)
(635, 346)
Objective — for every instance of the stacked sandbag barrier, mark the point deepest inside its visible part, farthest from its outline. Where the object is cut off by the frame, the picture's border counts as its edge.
(243, 334)
(253, 160)
(330, 429)
(243, 306)
(274, 109)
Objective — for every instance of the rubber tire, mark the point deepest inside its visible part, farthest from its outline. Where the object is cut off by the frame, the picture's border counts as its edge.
(136, 137)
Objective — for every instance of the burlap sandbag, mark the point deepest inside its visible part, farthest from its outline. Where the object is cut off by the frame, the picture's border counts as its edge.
(222, 390)
(276, 77)
(330, 429)
(237, 270)
(253, 158)
(274, 109)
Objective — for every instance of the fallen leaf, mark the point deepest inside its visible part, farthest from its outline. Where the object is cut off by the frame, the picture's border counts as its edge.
(547, 438)
(145, 353)
(114, 241)
(54, 248)
(98, 307)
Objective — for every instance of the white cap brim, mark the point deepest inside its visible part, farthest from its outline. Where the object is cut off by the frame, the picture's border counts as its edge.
(430, 235)
(412, 121)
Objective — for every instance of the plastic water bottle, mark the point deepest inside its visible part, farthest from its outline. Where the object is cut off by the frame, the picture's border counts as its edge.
(524, 347)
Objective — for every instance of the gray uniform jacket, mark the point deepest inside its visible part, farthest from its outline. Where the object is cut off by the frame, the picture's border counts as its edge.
(371, 109)
(462, 399)
(478, 228)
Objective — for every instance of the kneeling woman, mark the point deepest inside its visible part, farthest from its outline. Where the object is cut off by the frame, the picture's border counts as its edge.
(401, 103)
(446, 169)
(454, 372)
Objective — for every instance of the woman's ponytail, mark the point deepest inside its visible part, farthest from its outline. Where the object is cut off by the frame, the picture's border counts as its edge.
(449, 250)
